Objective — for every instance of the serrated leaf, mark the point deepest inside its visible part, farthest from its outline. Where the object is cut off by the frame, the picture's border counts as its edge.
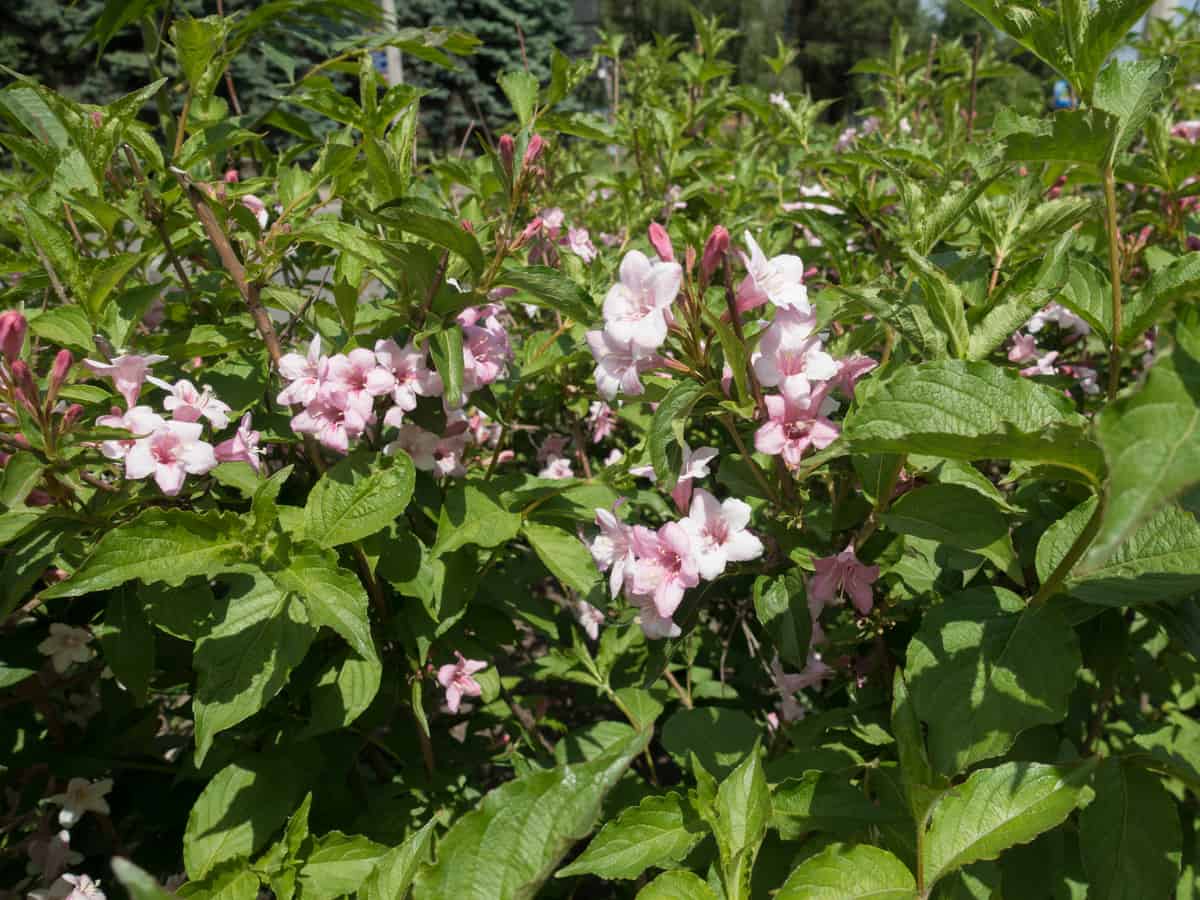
(20, 476)
(824, 801)
(343, 692)
(521, 89)
(740, 815)
(782, 609)
(996, 809)
(362, 494)
(520, 831)
(159, 545)
(658, 832)
(552, 289)
(427, 221)
(718, 736)
(245, 659)
(334, 597)
(958, 517)
(944, 301)
(564, 554)
(983, 668)
(1129, 835)
(395, 871)
(678, 884)
(845, 872)
(1127, 90)
(920, 784)
(338, 864)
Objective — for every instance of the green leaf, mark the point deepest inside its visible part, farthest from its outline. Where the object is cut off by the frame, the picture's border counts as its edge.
(198, 43)
(824, 801)
(1088, 294)
(362, 494)
(742, 812)
(1079, 136)
(521, 89)
(335, 598)
(239, 809)
(471, 514)
(782, 609)
(518, 834)
(658, 832)
(140, 883)
(1174, 749)
(944, 301)
(344, 692)
(127, 638)
(550, 288)
(564, 554)
(426, 221)
(65, 326)
(1151, 441)
(996, 809)
(1128, 90)
(55, 244)
(678, 884)
(845, 872)
(338, 864)
(983, 668)
(1129, 835)
(446, 348)
(20, 476)
(395, 871)
(973, 410)
(1178, 281)
(1108, 25)
(169, 545)
(921, 786)
(245, 659)
(957, 516)
(668, 423)
(718, 736)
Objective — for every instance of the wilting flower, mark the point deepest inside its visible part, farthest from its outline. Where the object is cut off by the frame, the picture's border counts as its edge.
(457, 681)
(718, 532)
(66, 645)
(851, 369)
(1043, 366)
(186, 404)
(636, 307)
(242, 447)
(81, 796)
(843, 573)
(128, 373)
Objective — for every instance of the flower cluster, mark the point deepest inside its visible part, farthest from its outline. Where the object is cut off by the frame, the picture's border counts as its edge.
(655, 567)
(169, 449)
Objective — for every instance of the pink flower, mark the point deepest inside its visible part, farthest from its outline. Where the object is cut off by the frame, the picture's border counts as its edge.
(552, 447)
(430, 453)
(1043, 366)
(353, 381)
(655, 626)
(718, 533)
(72, 887)
(843, 574)
(779, 280)
(257, 208)
(694, 467)
(169, 453)
(794, 427)
(51, 855)
(242, 447)
(661, 241)
(186, 404)
(1060, 316)
(1024, 348)
(580, 243)
(128, 373)
(331, 425)
(557, 468)
(846, 140)
(790, 356)
(612, 549)
(666, 565)
(66, 645)
(552, 221)
(851, 369)
(1189, 130)
(636, 307)
(715, 249)
(456, 679)
(303, 374)
(486, 352)
(13, 326)
(619, 365)
(589, 618)
(814, 673)
(602, 419)
(140, 421)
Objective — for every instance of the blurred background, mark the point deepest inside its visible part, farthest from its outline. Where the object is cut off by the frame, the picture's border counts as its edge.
(814, 42)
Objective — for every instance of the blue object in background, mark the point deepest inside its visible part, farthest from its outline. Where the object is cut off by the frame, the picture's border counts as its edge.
(1063, 98)
(379, 57)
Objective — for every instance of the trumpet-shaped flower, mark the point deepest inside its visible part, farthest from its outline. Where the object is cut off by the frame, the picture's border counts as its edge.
(140, 421)
(589, 618)
(81, 797)
(666, 566)
(303, 374)
(840, 574)
(411, 376)
(186, 404)
(619, 365)
(794, 427)
(779, 280)
(456, 679)
(612, 549)
(242, 447)
(128, 373)
(66, 645)
(790, 355)
(694, 467)
(636, 307)
(169, 454)
(718, 533)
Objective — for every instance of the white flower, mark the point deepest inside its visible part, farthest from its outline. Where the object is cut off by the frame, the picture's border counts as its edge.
(637, 306)
(186, 404)
(66, 645)
(718, 532)
(82, 796)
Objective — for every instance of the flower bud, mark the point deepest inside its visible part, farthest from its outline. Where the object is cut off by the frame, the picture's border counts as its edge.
(97, 118)
(661, 242)
(715, 249)
(534, 149)
(71, 416)
(508, 151)
(530, 230)
(12, 333)
(467, 226)
(26, 388)
(231, 176)
(58, 375)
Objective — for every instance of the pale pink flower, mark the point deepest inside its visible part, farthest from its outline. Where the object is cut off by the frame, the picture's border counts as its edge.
(813, 190)
(552, 221)
(589, 618)
(52, 855)
(486, 352)
(412, 377)
(718, 533)
(694, 467)
(430, 453)
(646, 471)
(457, 681)
(846, 140)
(666, 565)
(331, 425)
(1059, 315)
(81, 797)
(557, 468)
(303, 374)
(1189, 130)
(813, 674)
(169, 454)
(71, 887)
(794, 427)
(614, 456)
(579, 242)
(1024, 348)
(552, 447)
(602, 419)
(353, 381)
(140, 421)
(473, 315)
(1043, 366)
(840, 574)
(619, 365)
(66, 645)
(636, 307)
(779, 280)
(242, 447)
(128, 373)
(257, 208)
(654, 626)
(790, 355)
(186, 404)
(612, 550)
(851, 369)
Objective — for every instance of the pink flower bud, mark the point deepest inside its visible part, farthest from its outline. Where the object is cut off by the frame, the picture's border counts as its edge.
(467, 226)
(12, 333)
(661, 242)
(530, 230)
(97, 118)
(27, 391)
(534, 149)
(508, 151)
(715, 249)
(71, 416)
(231, 176)
(58, 375)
